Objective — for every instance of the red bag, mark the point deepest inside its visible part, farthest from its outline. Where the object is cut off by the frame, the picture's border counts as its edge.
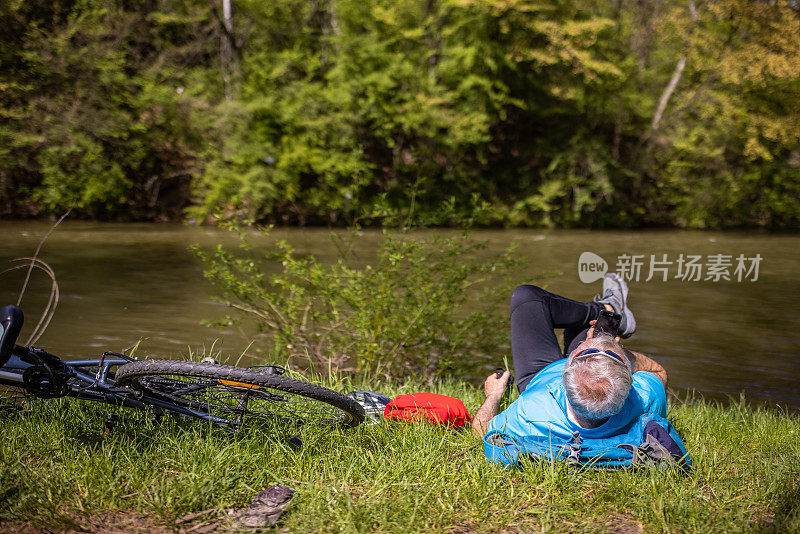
(432, 407)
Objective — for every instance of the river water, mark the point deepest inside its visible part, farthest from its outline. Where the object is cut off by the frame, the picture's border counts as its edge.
(122, 283)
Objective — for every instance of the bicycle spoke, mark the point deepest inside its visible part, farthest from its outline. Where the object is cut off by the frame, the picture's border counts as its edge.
(237, 399)
(232, 395)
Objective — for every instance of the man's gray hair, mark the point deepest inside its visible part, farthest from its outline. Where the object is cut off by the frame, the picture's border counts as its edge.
(598, 385)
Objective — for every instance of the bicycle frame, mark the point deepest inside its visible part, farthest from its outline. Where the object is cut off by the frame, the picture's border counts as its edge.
(44, 375)
(80, 383)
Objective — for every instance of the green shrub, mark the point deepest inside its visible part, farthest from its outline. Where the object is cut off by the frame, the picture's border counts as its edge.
(425, 301)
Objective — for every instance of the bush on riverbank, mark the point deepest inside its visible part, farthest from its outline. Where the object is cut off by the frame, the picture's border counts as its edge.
(57, 470)
(423, 303)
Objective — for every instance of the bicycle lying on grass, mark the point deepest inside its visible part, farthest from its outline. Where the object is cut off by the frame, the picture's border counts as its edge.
(221, 394)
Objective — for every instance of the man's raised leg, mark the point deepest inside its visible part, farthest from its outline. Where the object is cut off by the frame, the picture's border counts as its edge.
(535, 313)
(615, 299)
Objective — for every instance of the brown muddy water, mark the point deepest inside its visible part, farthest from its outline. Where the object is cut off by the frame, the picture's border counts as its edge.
(122, 283)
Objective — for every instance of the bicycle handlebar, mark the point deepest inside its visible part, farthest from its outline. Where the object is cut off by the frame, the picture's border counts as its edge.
(11, 319)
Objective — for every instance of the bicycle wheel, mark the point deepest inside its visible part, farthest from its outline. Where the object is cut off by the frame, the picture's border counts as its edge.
(234, 393)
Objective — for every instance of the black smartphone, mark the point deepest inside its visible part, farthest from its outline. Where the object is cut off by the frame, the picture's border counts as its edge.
(510, 383)
(607, 323)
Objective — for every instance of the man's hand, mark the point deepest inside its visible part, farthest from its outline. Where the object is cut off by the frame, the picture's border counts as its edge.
(494, 385)
(590, 332)
(494, 388)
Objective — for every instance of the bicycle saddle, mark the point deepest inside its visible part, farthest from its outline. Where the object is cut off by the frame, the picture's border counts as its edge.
(11, 320)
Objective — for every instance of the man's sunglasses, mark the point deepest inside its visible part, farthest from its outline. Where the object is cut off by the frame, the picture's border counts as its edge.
(609, 353)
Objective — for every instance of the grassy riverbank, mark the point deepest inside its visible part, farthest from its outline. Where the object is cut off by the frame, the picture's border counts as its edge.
(58, 471)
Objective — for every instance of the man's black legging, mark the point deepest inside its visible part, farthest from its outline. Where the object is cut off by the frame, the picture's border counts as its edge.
(535, 313)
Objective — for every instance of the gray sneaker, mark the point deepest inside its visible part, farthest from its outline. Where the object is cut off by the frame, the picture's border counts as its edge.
(615, 294)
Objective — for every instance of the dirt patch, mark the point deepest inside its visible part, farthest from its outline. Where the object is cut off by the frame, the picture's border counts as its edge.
(123, 523)
(107, 523)
(623, 525)
(469, 527)
(132, 522)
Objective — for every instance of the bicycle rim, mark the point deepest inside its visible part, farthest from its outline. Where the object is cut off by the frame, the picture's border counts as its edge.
(237, 395)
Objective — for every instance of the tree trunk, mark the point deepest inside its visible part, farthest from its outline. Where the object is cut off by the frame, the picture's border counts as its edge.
(662, 103)
(226, 49)
(673, 82)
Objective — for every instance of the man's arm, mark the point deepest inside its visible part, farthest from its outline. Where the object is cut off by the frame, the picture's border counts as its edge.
(493, 388)
(643, 363)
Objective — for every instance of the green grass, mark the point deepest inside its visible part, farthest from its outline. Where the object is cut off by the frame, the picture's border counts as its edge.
(57, 468)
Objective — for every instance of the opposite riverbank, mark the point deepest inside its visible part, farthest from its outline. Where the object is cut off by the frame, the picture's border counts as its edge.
(60, 473)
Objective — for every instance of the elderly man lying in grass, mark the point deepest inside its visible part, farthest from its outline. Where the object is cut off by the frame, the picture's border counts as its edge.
(594, 387)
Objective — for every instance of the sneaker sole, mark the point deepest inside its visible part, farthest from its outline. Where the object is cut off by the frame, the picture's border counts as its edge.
(630, 322)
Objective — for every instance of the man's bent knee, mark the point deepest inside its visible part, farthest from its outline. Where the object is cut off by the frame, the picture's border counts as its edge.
(526, 293)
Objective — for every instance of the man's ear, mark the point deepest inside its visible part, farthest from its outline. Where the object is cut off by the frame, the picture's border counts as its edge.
(617, 339)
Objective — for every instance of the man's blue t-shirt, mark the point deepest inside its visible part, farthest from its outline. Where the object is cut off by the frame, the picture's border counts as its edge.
(541, 410)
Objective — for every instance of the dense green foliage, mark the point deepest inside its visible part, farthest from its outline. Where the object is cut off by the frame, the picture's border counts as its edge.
(402, 315)
(57, 470)
(550, 112)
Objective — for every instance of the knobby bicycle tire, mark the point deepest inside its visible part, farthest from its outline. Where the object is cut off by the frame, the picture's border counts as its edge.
(233, 392)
